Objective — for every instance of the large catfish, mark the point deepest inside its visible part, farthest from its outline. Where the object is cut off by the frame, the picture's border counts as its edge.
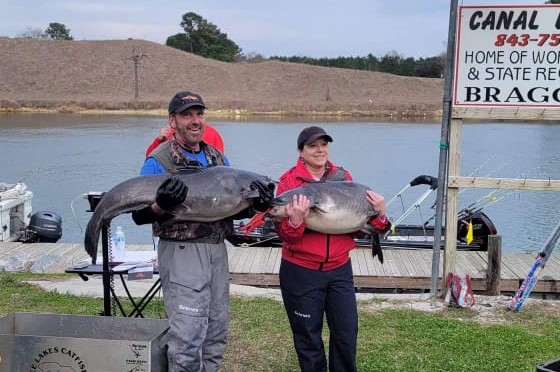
(336, 207)
(214, 193)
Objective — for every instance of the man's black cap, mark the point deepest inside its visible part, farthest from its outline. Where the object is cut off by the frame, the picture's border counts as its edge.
(184, 100)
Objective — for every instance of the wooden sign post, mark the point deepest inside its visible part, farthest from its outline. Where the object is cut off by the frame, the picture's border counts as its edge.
(507, 67)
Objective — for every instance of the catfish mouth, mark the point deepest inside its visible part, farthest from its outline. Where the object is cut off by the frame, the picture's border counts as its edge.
(278, 211)
(278, 207)
(278, 202)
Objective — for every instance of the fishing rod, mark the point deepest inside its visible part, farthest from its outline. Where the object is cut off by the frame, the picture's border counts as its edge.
(482, 203)
(475, 173)
(479, 204)
(486, 200)
(28, 174)
(526, 287)
(488, 196)
(13, 191)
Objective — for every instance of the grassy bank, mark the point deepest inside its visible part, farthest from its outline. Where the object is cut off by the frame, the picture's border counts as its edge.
(389, 340)
(418, 115)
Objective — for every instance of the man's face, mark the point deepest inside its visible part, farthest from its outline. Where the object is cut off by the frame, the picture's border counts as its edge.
(189, 126)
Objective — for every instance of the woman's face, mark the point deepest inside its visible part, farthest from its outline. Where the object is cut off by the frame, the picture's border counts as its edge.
(316, 154)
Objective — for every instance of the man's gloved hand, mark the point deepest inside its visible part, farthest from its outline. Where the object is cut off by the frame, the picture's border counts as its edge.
(171, 193)
(266, 194)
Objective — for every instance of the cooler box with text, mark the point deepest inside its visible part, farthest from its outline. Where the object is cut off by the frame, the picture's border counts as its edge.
(49, 342)
(550, 366)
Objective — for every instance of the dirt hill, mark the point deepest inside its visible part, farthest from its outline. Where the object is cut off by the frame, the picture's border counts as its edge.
(77, 75)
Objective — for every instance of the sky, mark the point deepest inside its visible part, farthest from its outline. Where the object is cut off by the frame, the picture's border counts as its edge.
(312, 28)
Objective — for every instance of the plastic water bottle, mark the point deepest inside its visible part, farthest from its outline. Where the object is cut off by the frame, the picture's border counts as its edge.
(119, 250)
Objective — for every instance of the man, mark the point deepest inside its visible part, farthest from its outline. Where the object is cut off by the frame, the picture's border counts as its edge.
(192, 256)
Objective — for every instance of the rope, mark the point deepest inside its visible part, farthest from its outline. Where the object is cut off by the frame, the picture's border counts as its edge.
(247, 245)
(111, 277)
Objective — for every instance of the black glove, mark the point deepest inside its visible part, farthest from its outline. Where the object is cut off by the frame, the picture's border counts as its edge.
(145, 215)
(266, 194)
(171, 193)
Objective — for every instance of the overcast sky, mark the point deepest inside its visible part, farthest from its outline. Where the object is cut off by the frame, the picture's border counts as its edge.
(314, 28)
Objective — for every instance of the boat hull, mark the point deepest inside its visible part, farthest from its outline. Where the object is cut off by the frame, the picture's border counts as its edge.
(403, 237)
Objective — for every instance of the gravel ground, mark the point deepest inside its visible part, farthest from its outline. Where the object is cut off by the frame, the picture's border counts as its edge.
(487, 309)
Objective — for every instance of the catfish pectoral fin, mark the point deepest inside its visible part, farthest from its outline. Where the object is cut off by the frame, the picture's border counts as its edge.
(376, 247)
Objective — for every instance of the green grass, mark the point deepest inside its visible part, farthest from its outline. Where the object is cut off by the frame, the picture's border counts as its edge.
(389, 340)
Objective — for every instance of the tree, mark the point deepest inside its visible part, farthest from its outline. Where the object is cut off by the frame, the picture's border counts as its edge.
(58, 31)
(177, 41)
(391, 63)
(430, 67)
(32, 33)
(253, 57)
(204, 39)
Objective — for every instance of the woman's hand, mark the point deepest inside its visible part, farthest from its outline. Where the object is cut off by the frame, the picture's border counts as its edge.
(377, 201)
(165, 133)
(298, 209)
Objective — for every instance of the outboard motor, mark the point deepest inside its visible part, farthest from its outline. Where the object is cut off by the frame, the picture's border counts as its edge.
(482, 227)
(45, 227)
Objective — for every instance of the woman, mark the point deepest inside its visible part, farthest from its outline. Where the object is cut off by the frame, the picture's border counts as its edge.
(316, 276)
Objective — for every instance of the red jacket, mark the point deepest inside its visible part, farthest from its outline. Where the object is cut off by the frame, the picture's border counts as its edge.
(307, 248)
(210, 136)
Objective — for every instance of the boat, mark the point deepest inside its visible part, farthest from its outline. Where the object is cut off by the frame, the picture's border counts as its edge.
(401, 236)
(19, 224)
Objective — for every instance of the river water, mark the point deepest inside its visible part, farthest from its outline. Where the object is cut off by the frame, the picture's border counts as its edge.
(62, 156)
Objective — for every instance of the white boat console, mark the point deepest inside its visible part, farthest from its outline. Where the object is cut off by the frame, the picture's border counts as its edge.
(15, 210)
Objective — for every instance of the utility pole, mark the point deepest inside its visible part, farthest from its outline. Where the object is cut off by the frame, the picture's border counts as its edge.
(443, 147)
(136, 58)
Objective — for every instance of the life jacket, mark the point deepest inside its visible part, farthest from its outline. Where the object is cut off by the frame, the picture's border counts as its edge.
(171, 157)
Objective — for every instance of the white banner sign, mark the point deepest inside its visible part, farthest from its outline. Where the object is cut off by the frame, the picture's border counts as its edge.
(508, 56)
